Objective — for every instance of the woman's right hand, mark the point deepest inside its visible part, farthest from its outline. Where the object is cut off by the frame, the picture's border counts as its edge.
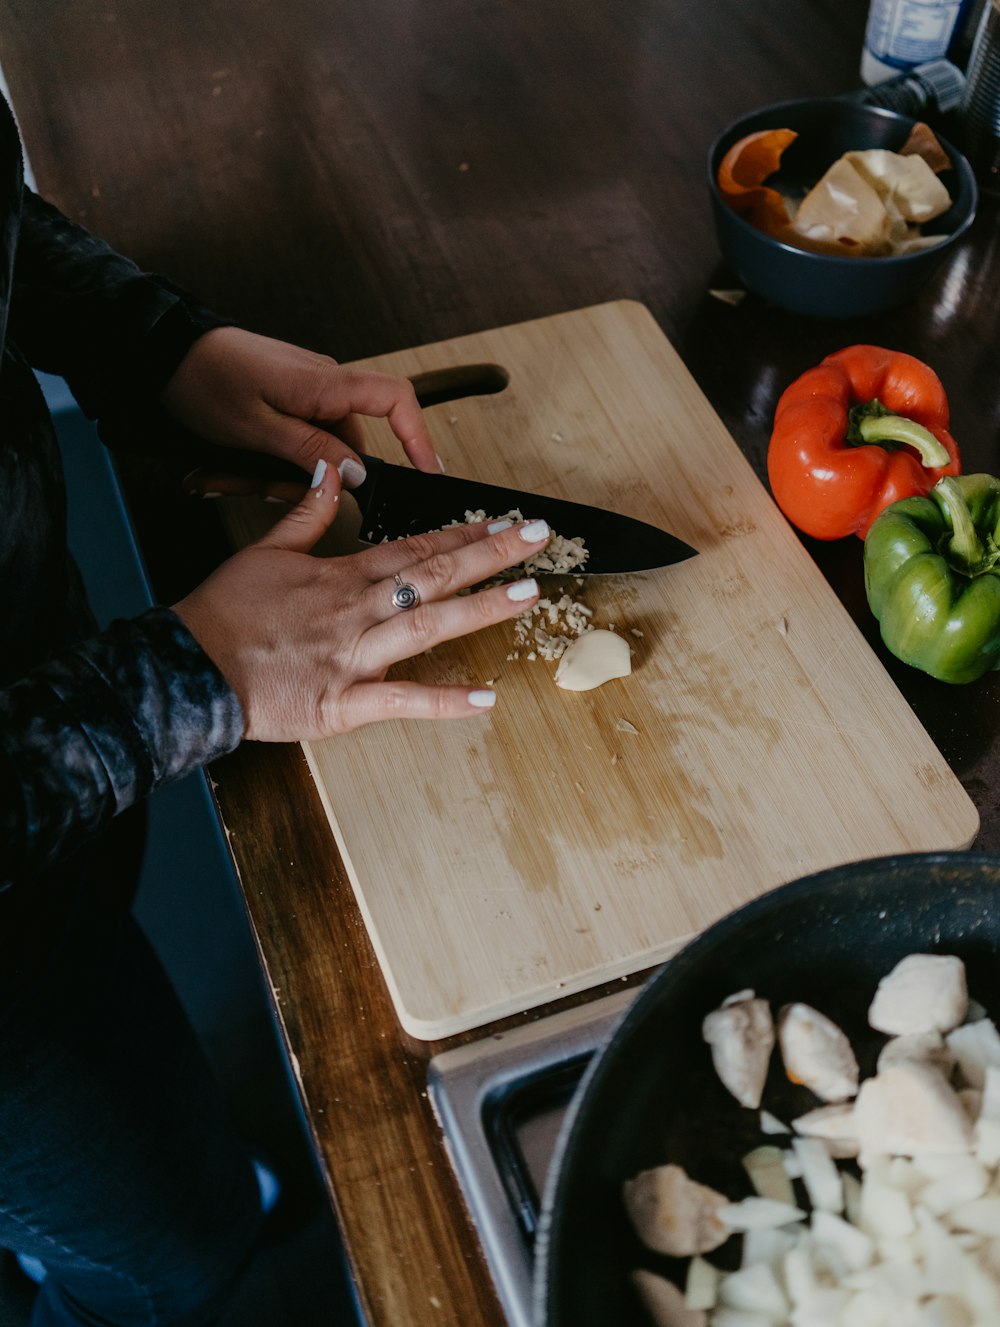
(306, 642)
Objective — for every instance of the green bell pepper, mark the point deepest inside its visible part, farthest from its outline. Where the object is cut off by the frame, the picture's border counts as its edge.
(933, 580)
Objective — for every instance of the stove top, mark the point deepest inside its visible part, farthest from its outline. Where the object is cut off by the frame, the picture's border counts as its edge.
(501, 1103)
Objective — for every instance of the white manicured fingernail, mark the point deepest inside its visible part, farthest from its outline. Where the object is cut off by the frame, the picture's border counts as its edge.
(269, 498)
(483, 700)
(352, 472)
(534, 531)
(318, 473)
(495, 527)
(522, 590)
(211, 495)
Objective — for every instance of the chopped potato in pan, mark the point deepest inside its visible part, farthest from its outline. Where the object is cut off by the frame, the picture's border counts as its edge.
(880, 1208)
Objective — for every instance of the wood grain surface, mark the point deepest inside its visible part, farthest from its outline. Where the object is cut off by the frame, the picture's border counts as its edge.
(369, 175)
(567, 839)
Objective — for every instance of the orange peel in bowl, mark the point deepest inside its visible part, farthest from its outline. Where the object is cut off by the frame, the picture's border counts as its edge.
(742, 173)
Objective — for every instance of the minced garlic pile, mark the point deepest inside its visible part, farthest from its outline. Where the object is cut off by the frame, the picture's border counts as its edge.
(546, 629)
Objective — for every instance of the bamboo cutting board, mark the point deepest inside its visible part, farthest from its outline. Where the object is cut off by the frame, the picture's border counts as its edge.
(569, 838)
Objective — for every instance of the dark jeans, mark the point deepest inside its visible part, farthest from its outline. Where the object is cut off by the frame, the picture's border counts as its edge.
(118, 1168)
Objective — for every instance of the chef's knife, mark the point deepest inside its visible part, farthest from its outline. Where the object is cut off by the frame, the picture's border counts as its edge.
(396, 501)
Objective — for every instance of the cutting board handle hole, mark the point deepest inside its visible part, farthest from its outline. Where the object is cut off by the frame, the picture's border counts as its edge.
(453, 384)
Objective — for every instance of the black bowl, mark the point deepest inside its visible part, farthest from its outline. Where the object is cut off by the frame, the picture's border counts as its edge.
(824, 285)
(652, 1096)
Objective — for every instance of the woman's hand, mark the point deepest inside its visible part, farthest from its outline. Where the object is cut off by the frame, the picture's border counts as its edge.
(251, 392)
(305, 642)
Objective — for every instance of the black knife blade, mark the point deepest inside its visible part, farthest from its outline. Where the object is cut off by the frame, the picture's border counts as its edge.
(396, 501)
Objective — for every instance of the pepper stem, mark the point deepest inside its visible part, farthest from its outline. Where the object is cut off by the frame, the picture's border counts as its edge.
(896, 428)
(964, 546)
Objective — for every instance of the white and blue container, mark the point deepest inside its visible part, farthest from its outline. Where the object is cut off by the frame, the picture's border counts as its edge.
(901, 34)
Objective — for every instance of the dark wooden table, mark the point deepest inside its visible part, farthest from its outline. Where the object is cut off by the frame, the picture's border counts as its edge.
(365, 175)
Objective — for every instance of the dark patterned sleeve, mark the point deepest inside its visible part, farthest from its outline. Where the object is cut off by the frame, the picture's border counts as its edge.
(115, 333)
(98, 728)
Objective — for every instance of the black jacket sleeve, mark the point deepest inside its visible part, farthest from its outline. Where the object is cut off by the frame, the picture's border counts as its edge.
(89, 723)
(98, 727)
(116, 334)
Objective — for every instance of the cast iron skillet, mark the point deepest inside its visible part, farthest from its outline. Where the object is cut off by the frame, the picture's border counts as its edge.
(651, 1095)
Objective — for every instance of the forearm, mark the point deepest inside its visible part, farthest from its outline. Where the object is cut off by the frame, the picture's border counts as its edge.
(99, 728)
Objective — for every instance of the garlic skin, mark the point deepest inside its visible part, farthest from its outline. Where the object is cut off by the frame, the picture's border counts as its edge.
(593, 659)
(907, 182)
(844, 212)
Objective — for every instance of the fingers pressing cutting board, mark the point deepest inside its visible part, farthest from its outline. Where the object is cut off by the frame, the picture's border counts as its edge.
(568, 838)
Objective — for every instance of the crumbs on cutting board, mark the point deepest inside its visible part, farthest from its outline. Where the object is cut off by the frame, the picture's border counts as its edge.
(549, 626)
(559, 619)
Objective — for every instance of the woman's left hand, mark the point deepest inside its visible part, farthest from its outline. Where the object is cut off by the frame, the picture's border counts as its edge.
(241, 390)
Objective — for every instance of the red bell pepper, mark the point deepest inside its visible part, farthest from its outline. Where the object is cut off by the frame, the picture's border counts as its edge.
(863, 429)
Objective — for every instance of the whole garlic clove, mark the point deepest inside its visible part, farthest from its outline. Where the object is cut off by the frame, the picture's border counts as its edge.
(593, 659)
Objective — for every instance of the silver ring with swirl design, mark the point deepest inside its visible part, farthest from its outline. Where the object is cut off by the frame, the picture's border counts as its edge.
(404, 596)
